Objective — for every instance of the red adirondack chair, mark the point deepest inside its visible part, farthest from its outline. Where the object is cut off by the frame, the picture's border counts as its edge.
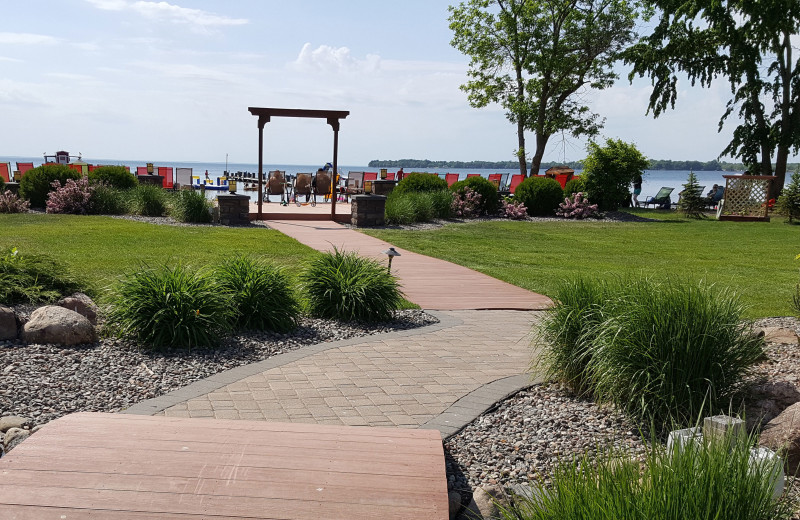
(516, 180)
(166, 172)
(451, 179)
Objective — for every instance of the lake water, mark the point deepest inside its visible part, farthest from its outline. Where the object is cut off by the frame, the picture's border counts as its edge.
(653, 180)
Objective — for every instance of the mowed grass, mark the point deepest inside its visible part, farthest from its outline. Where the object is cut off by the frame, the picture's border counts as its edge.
(100, 249)
(755, 259)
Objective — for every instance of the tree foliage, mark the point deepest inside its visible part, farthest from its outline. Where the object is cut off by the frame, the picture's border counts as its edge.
(749, 44)
(691, 201)
(609, 171)
(536, 57)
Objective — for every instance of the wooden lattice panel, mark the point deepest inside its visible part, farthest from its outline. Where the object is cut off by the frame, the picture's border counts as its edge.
(746, 197)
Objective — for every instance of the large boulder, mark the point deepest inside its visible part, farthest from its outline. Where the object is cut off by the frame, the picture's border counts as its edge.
(8, 324)
(783, 433)
(57, 325)
(780, 335)
(81, 304)
(13, 437)
(14, 421)
(485, 503)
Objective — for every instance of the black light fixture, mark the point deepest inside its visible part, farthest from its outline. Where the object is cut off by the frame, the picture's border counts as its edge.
(391, 253)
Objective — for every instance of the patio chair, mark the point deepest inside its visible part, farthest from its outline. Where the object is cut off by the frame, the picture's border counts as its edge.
(516, 180)
(355, 183)
(451, 178)
(496, 178)
(166, 173)
(390, 176)
(183, 177)
(371, 176)
(5, 171)
(276, 185)
(22, 167)
(473, 175)
(141, 170)
(661, 199)
(302, 186)
(321, 185)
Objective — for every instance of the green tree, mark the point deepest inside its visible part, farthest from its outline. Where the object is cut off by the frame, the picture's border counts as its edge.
(789, 201)
(749, 44)
(536, 57)
(609, 170)
(691, 200)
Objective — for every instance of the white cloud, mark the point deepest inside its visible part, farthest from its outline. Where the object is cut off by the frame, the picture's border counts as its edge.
(13, 60)
(26, 39)
(328, 59)
(166, 12)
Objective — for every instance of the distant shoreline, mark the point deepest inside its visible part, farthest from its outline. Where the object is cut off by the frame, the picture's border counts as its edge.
(655, 164)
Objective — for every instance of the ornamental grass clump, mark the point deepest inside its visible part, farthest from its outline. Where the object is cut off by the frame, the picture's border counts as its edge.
(11, 203)
(411, 207)
(260, 293)
(147, 200)
(170, 308)
(577, 207)
(710, 480)
(344, 286)
(666, 351)
(107, 201)
(33, 278)
(73, 198)
(190, 206)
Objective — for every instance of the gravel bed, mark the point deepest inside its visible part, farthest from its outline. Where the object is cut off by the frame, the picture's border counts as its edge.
(45, 382)
(525, 435)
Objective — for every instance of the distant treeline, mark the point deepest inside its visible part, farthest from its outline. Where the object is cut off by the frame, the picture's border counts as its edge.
(655, 164)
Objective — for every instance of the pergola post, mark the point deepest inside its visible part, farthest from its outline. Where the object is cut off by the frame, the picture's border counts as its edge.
(264, 115)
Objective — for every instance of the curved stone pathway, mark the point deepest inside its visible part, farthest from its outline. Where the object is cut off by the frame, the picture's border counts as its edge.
(439, 377)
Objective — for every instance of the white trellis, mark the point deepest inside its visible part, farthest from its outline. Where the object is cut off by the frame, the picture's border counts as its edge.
(746, 198)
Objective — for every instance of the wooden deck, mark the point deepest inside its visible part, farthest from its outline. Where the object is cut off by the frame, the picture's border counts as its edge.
(107, 466)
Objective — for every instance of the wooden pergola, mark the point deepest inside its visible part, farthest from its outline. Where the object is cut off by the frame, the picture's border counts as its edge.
(266, 114)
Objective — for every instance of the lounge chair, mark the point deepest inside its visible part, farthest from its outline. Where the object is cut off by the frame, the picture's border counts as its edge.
(451, 178)
(321, 186)
(496, 179)
(22, 167)
(5, 171)
(166, 173)
(473, 175)
(141, 170)
(390, 176)
(183, 177)
(276, 185)
(661, 199)
(370, 176)
(302, 186)
(355, 183)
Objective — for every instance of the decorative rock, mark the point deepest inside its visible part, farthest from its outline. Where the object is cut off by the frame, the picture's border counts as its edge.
(13, 437)
(780, 335)
(454, 500)
(8, 324)
(14, 421)
(81, 304)
(783, 432)
(484, 503)
(769, 400)
(57, 325)
(720, 426)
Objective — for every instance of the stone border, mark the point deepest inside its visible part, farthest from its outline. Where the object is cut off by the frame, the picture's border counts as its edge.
(227, 377)
(471, 406)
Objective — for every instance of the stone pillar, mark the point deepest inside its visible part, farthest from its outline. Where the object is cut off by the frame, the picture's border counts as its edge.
(234, 210)
(368, 210)
(383, 187)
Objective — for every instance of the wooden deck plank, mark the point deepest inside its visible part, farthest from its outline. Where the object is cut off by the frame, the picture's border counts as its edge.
(110, 466)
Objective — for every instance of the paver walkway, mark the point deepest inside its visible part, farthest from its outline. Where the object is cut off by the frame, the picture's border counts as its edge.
(439, 377)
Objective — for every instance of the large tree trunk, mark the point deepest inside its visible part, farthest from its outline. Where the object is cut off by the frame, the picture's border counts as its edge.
(523, 165)
(786, 130)
(541, 143)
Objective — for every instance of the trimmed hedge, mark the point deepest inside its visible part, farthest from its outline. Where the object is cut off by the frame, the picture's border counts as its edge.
(541, 195)
(490, 201)
(37, 183)
(420, 182)
(573, 186)
(114, 176)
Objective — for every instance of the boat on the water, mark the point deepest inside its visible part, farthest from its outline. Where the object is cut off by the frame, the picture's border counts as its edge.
(208, 184)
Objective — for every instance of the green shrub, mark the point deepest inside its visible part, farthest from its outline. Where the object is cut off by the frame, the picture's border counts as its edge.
(442, 202)
(347, 287)
(573, 186)
(107, 201)
(147, 200)
(2, 185)
(666, 351)
(566, 332)
(114, 176)
(490, 201)
(33, 279)
(541, 195)
(418, 182)
(789, 201)
(260, 293)
(667, 485)
(400, 209)
(609, 170)
(37, 183)
(190, 206)
(170, 308)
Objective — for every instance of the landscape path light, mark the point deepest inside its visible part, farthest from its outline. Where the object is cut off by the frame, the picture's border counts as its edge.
(391, 253)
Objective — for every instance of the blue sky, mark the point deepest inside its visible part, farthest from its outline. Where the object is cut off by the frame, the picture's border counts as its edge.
(171, 81)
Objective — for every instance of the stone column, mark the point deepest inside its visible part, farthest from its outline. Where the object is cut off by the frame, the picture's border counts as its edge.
(234, 210)
(368, 210)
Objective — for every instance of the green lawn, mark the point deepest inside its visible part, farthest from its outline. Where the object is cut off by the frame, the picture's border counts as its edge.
(100, 249)
(756, 259)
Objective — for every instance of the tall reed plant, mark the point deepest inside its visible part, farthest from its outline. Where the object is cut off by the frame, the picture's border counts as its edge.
(170, 308)
(26, 278)
(344, 286)
(261, 294)
(190, 206)
(147, 200)
(710, 480)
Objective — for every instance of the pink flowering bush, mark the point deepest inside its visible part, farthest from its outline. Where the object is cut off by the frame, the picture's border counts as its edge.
(579, 207)
(513, 209)
(466, 203)
(11, 203)
(71, 198)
